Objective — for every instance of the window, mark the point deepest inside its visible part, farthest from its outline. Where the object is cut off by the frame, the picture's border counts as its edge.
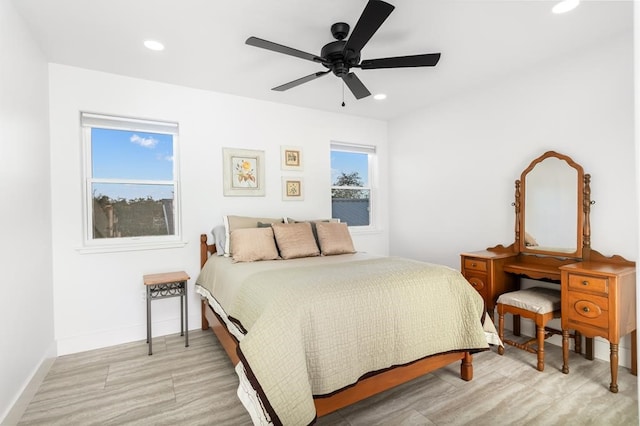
(351, 177)
(131, 180)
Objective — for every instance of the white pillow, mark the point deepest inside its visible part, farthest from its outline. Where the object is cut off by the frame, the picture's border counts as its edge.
(219, 238)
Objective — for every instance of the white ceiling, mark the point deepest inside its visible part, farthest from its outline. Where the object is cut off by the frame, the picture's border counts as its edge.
(480, 41)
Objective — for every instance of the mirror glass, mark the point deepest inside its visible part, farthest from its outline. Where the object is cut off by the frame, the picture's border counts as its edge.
(552, 204)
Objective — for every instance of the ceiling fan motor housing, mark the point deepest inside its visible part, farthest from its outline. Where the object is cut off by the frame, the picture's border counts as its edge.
(339, 60)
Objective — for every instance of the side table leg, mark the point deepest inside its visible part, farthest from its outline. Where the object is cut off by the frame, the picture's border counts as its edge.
(181, 311)
(149, 318)
(186, 317)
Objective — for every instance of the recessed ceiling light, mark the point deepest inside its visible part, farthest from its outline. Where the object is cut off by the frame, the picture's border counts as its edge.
(565, 6)
(153, 45)
(379, 96)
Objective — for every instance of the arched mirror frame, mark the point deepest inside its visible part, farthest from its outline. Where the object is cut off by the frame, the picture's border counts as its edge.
(582, 207)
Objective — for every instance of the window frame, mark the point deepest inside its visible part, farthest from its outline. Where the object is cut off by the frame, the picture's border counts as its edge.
(372, 158)
(88, 121)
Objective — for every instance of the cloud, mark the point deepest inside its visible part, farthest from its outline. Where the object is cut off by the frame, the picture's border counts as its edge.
(144, 142)
(164, 157)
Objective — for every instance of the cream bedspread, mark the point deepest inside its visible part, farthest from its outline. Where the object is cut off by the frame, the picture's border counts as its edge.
(317, 328)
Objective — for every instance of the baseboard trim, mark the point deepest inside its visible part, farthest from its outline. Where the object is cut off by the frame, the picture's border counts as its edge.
(23, 399)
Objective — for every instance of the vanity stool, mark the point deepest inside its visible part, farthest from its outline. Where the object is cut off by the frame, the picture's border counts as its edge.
(538, 304)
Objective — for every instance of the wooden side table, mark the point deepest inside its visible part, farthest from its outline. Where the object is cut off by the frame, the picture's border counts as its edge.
(168, 284)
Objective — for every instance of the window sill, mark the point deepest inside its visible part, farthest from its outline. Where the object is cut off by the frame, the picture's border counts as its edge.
(362, 230)
(131, 247)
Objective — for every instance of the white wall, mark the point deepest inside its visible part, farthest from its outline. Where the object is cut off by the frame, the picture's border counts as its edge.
(471, 149)
(98, 297)
(26, 307)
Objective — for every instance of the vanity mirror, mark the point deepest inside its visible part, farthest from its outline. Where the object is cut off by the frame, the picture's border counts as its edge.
(549, 207)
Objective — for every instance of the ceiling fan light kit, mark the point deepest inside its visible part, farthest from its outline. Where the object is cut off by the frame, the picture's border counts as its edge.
(341, 55)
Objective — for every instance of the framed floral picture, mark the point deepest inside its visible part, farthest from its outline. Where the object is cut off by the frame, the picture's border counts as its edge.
(243, 172)
(291, 158)
(292, 189)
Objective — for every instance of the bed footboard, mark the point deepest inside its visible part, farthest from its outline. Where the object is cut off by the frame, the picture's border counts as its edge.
(366, 387)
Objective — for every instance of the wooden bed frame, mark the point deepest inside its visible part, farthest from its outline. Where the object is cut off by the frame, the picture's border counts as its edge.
(364, 388)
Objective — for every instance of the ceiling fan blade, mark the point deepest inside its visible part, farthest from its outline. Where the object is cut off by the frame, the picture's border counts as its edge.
(300, 81)
(373, 15)
(426, 60)
(355, 85)
(269, 45)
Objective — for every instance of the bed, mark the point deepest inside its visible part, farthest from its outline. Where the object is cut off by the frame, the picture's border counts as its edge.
(312, 334)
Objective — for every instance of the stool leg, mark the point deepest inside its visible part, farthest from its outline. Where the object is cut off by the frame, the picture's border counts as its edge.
(500, 329)
(565, 351)
(540, 351)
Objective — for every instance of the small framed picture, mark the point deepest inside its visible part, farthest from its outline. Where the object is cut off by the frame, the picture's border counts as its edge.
(291, 157)
(292, 189)
(243, 172)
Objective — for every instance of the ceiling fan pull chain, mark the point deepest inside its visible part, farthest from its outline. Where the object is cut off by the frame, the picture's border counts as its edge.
(343, 104)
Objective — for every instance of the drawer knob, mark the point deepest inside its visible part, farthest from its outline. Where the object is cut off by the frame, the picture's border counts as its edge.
(585, 282)
(585, 309)
(473, 264)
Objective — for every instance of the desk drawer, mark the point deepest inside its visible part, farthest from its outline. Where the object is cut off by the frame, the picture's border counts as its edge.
(588, 283)
(588, 309)
(472, 264)
(479, 282)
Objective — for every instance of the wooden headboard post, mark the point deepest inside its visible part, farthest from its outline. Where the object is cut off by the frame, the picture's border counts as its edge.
(205, 250)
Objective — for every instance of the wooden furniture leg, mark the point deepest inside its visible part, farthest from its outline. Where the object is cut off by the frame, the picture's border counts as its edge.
(516, 325)
(565, 351)
(466, 367)
(588, 350)
(501, 331)
(613, 387)
(540, 335)
(203, 317)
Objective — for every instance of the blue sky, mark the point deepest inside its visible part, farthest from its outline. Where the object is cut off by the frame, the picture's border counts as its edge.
(349, 162)
(123, 154)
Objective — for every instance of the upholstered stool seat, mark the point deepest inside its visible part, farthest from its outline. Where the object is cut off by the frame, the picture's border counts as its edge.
(538, 304)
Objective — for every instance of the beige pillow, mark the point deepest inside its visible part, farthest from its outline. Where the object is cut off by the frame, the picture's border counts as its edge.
(295, 240)
(231, 223)
(334, 238)
(251, 244)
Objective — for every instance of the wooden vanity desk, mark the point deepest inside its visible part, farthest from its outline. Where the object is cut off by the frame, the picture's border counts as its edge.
(553, 244)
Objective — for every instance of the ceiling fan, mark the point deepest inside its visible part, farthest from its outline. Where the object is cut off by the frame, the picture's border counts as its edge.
(341, 55)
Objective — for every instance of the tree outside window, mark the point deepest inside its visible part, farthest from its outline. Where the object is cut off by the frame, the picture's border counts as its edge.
(351, 191)
(131, 179)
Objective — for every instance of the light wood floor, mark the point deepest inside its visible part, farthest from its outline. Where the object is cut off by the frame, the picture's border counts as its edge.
(122, 385)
